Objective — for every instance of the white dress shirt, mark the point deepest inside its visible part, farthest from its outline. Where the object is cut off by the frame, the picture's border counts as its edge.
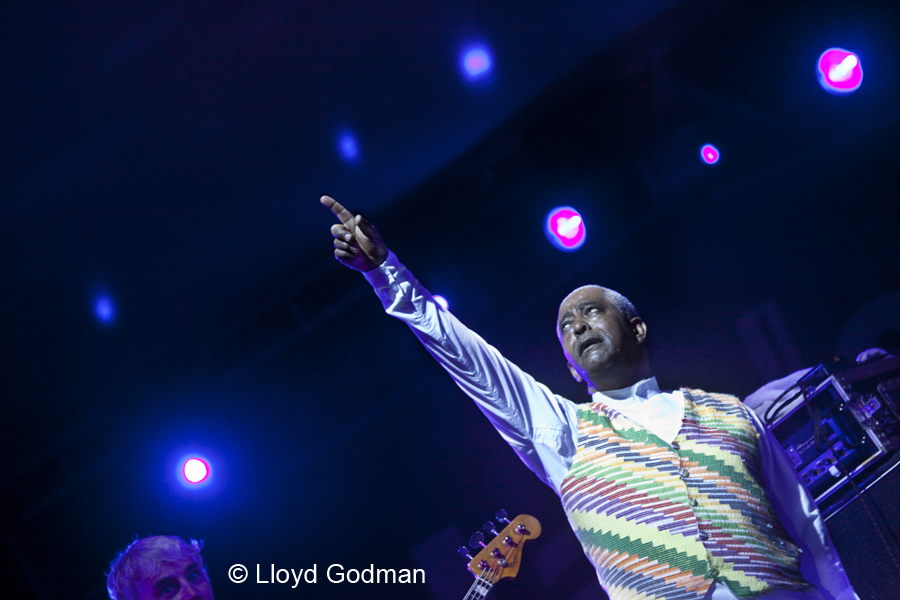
(543, 428)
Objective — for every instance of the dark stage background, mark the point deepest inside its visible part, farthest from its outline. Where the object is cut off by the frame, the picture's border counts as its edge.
(171, 156)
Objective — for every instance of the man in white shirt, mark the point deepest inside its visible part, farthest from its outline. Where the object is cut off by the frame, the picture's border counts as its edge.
(603, 341)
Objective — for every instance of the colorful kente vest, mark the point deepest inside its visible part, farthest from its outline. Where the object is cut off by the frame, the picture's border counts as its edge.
(665, 521)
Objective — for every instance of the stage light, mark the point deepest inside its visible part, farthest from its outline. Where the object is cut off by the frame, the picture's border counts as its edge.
(442, 301)
(476, 63)
(104, 309)
(839, 71)
(348, 147)
(709, 154)
(195, 470)
(564, 228)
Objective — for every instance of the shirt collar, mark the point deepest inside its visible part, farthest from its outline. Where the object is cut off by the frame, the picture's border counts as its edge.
(639, 392)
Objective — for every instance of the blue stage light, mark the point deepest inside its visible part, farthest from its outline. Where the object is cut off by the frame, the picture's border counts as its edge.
(104, 309)
(709, 154)
(442, 302)
(476, 63)
(348, 146)
(564, 227)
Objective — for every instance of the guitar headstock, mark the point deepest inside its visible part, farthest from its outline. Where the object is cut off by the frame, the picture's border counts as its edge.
(502, 556)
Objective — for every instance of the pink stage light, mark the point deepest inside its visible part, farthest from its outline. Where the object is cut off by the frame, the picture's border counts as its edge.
(195, 470)
(476, 63)
(839, 71)
(564, 228)
(709, 154)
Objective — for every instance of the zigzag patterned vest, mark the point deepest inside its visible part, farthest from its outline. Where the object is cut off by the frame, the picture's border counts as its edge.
(665, 521)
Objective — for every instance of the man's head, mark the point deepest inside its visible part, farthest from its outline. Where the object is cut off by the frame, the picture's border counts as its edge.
(603, 338)
(161, 567)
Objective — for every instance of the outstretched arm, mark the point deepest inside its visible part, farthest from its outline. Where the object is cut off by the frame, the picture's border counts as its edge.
(541, 427)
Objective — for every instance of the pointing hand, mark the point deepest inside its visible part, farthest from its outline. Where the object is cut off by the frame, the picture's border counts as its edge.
(357, 243)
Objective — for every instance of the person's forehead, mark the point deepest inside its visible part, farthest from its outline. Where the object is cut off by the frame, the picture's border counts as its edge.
(166, 569)
(583, 295)
(175, 567)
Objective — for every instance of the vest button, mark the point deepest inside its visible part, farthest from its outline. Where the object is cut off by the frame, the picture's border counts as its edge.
(703, 537)
(674, 445)
(713, 572)
(694, 502)
(684, 473)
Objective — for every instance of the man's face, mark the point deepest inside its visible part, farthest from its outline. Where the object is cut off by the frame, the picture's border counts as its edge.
(599, 343)
(184, 579)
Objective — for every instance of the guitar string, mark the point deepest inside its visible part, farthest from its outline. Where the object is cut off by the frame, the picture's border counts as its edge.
(473, 592)
(494, 576)
(489, 579)
(476, 584)
(479, 581)
(511, 550)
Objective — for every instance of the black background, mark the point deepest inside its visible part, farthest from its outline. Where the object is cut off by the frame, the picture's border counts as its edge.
(172, 155)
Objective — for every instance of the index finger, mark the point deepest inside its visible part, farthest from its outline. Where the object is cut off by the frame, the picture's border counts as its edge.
(344, 215)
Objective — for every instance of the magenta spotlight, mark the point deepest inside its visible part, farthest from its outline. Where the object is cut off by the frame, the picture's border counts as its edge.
(195, 470)
(709, 154)
(442, 302)
(839, 71)
(564, 228)
(476, 63)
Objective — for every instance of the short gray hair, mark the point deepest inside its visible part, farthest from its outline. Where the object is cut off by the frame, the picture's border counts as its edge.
(625, 306)
(141, 560)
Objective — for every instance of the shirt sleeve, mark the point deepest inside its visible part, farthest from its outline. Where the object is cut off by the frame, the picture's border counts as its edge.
(800, 516)
(540, 426)
(763, 398)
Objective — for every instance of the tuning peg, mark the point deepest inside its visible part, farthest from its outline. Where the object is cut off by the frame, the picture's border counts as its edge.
(501, 516)
(476, 540)
(489, 528)
(464, 552)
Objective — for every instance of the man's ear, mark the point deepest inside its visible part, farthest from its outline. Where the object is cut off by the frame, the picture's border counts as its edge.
(639, 328)
(577, 377)
(575, 374)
